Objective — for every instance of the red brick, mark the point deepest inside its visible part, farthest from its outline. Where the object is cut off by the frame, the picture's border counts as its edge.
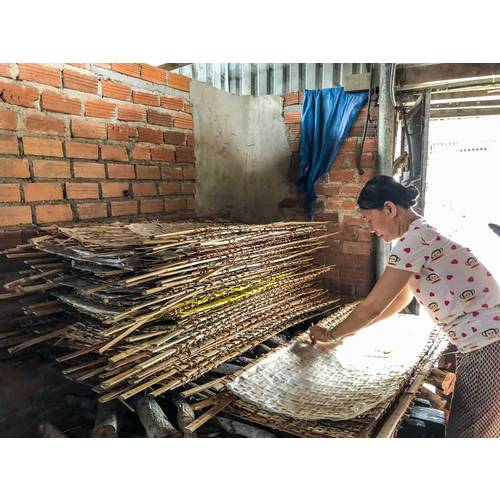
(9, 192)
(141, 153)
(82, 150)
(159, 118)
(349, 144)
(188, 108)
(100, 109)
(112, 152)
(356, 220)
(81, 190)
(152, 206)
(145, 98)
(114, 189)
(145, 189)
(121, 132)
(42, 147)
(88, 129)
(189, 173)
(53, 101)
(40, 73)
(116, 90)
(169, 188)
(350, 190)
(175, 204)
(53, 213)
(131, 113)
(19, 95)
(153, 74)
(190, 139)
(146, 172)
(368, 174)
(77, 81)
(370, 145)
(183, 120)
(51, 169)
(6, 70)
(326, 189)
(8, 119)
(123, 208)
(10, 216)
(292, 116)
(291, 98)
(293, 130)
(171, 173)
(342, 175)
(130, 69)
(175, 103)
(42, 191)
(190, 203)
(121, 171)
(184, 155)
(14, 168)
(340, 204)
(89, 170)
(177, 138)
(301, 97)
(357, 247)
(150, 135)
(44, 123)
(162, 154)
(294, 145)
(91, 210)
(9, 145)
(179, 82)
(188, 188)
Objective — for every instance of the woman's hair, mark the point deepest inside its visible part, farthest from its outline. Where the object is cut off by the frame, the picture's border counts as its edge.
(383, 188)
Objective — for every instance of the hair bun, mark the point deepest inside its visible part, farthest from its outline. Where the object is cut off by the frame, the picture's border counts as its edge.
(412, 193)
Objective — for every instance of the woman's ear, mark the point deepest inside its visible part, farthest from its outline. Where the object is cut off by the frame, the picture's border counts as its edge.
(391, 208)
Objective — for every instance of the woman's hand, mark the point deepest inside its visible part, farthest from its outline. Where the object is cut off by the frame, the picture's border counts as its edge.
(318, 333)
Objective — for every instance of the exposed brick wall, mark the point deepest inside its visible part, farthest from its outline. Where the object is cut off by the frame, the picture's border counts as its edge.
(352, 249)
(92, 141)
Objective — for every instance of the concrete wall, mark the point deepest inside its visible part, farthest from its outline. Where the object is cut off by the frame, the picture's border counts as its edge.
(242, 155)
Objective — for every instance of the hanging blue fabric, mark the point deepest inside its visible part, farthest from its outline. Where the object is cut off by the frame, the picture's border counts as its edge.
(327, 116)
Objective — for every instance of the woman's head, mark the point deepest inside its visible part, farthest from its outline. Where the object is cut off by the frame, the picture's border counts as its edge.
(386, 204)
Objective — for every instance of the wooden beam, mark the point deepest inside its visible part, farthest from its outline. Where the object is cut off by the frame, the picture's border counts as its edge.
(436, 75)
(454, 103)
(454, 113)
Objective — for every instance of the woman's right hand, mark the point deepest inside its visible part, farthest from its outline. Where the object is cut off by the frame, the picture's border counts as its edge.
(318, 333)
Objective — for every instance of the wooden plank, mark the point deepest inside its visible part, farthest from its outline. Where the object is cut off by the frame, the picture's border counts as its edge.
(278, 79)
(454, 113)
(310, 80)
(246, 79)
(327, 80)
(293, 80)
(261, 79)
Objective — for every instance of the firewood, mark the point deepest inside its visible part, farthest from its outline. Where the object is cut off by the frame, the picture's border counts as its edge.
(47, 430)
(435, 400)
(185, 415)
(154, 420)
(106, 422)
(443, 379)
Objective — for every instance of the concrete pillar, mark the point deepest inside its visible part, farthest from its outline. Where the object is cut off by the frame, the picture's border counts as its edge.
(385, 156)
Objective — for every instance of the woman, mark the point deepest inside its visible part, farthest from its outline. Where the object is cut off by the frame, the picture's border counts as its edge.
(458, 292)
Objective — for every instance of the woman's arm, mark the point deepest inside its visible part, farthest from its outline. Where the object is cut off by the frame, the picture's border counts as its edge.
(389, 287)
(398, 304)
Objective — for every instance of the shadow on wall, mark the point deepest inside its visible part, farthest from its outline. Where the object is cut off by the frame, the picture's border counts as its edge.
(243, 155)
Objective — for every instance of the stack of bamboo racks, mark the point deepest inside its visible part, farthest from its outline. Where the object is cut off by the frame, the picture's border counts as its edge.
(151, 306)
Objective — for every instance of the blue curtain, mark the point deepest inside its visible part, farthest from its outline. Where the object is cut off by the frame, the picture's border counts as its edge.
(327, 116)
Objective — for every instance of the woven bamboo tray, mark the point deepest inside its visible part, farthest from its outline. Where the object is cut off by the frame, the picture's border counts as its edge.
(338, 382)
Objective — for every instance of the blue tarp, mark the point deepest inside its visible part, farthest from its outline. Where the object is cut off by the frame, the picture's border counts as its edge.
(327, 116)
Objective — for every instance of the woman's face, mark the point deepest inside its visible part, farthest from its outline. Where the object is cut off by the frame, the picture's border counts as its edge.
(383, 222)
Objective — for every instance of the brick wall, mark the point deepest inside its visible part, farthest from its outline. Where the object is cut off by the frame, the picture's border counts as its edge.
(352, 250)
(81, 142)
